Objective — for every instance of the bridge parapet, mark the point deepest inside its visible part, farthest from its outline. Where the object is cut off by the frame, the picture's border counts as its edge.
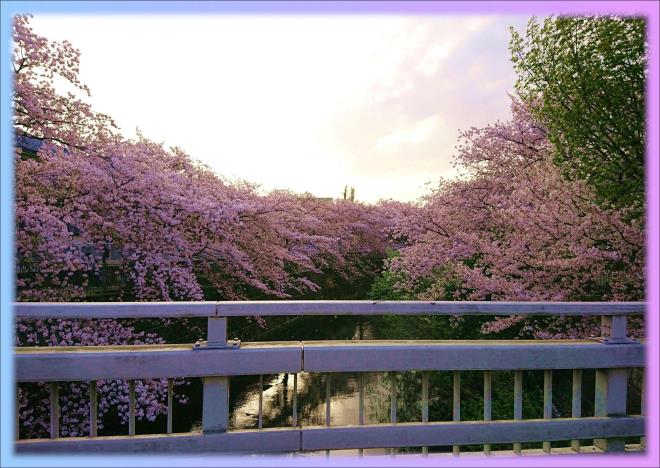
(611, 355)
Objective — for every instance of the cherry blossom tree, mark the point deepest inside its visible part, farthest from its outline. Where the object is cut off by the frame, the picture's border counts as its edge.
(39, 109)
(184, 232)
(513, 229)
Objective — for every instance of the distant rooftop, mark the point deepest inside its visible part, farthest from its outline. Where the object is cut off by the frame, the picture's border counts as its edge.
(28, 143)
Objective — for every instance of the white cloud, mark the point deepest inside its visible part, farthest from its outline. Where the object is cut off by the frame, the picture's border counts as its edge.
(409, 134)
(309, 103)
(430, 62)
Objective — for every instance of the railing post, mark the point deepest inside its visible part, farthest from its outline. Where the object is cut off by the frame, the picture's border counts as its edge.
(217, 332)
(611, 384)
(215, 411)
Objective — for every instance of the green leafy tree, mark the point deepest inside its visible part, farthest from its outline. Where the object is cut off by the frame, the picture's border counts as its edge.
(585, 78)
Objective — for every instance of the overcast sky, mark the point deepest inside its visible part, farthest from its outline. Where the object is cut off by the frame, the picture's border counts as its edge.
(308, 103)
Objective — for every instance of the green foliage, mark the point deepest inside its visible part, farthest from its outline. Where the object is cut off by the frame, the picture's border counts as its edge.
(585, 77)
(384, 286)
(335, 284)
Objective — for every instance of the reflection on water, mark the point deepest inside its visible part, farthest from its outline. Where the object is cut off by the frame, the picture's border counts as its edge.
(311, 397)
(311, 402)
(278, 398)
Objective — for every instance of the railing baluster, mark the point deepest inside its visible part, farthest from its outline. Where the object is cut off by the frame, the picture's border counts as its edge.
(295, 399)
(17, 418)
(170, 409)
(327, 400)
(576, 407)
(642, 440)
(392, 404)
(457, 406)
(327, 406)
(260, 422)
(392, 397)
(361, 405)
(487, 404)
(285, 388)
(547, 404)
(93, 409)
(517, 404)
(425, 404)
(131, 407)
(54, 410)
(361, 399)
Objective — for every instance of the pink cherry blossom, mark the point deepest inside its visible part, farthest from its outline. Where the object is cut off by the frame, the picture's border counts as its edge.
(181, 229)
(512, 228)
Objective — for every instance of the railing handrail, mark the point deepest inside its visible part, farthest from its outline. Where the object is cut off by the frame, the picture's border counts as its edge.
(116, 310)
(82, 363)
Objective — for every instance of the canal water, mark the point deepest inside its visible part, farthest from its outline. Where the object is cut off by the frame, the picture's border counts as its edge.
(311, 402)
(277, 396)
(277, 392)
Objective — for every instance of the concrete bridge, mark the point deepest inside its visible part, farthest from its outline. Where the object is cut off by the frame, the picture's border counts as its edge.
(217, 359)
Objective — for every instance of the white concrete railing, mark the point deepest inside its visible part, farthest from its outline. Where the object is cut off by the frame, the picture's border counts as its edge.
(216, 360)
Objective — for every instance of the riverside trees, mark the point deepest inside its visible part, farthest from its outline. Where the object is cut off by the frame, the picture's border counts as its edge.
(174, 218)
(551, 203)
(181, 228)
(512, 228)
